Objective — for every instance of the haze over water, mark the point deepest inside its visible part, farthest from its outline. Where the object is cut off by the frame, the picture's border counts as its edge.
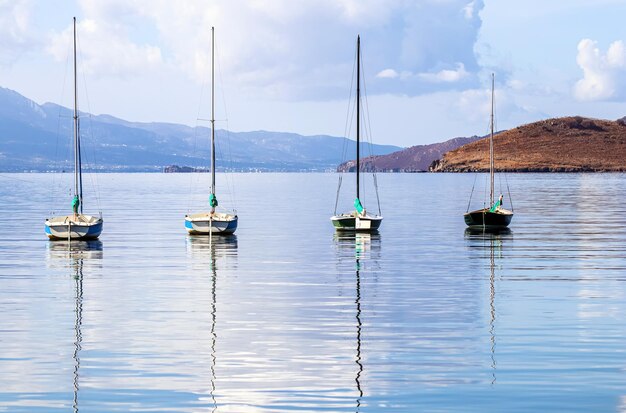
(288, 316)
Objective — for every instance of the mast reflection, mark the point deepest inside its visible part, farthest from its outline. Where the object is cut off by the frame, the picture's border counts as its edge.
(206, 251)
(359, 247)
(493, 240)
(78, 278)
(74, 255)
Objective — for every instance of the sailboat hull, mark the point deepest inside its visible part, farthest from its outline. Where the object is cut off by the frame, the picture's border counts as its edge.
(352, 222)
(73, 227)
(205, 223)
(485, 219)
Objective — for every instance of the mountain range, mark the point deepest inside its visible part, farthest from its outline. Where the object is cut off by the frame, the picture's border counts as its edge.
(39, 138)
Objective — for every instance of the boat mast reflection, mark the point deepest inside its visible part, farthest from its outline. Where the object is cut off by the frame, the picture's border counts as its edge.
(359, 326)
(492, 307)
(495, 240)
(212, 248)
(78, 278)
(74, 254)
(359, 246)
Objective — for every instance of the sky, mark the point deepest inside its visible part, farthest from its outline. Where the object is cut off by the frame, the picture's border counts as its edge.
(286, 65)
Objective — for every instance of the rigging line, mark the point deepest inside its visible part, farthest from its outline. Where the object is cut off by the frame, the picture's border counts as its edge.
(471, 193)
(344, 156)
(194, 178)
(56, 162)
(509, 192)
(369, 136)
(220, 152)
(337, 198)
(367, 119)
(93, 177)
(346, 140)
(349, 113)
(486, 191)
(495, 113)
(230, 180)
(377, 197)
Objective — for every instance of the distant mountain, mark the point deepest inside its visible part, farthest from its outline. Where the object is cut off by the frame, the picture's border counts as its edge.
(569, 144)
(38, 137)
(414, 159)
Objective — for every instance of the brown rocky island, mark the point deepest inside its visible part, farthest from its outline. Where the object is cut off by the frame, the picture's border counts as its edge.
(570, 144)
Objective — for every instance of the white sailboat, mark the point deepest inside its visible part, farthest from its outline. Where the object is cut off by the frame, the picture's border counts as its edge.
(77, 226)
(359, 219)
(211, 222)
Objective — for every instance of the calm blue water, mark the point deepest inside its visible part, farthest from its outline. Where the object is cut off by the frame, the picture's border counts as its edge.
(286, 316)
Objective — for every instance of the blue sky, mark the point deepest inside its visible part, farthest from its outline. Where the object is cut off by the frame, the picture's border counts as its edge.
(286, 65)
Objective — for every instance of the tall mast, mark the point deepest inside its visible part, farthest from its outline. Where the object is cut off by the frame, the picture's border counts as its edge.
(213, 113)
(78, 179)
(491, 161)
(358, 107)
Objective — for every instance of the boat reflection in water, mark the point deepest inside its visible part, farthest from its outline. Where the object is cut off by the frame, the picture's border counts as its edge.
(491, 243)
(206, 251)
(76, 256)
(218, 246)
(363, 249)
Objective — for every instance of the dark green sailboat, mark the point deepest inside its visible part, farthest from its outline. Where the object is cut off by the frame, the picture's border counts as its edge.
(359, 219)
(494, 217)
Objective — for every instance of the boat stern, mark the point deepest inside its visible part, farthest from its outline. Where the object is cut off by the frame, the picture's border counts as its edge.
(354, 222)
(73, 227)
(206, 223)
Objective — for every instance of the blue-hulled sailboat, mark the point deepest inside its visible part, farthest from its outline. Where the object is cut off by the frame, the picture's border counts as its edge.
(212, 222)
(77, 226)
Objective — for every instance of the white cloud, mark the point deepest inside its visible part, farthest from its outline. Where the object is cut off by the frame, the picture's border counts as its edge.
(602, 73)
(281, 48)
(15, 29)
(616, 55)
(516, 84)
(468, 10)
(105, 49)
(446, 75)
(387, 74)
(475, 104)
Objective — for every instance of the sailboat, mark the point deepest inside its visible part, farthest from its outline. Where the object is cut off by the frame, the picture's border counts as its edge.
(494, 217)
(76, 226)
(359, 219)
(212, 222)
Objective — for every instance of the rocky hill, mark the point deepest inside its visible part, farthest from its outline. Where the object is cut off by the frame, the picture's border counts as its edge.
(414, 159)
(569, 144)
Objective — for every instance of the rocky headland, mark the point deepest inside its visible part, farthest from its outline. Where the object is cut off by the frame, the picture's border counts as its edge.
(568, 144)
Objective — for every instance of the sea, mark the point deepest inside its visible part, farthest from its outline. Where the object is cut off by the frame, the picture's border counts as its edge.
(289, 316)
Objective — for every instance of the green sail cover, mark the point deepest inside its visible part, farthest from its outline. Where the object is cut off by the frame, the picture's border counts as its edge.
(75, 204)
(358, 206)
(212, 200)
(495, 206)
